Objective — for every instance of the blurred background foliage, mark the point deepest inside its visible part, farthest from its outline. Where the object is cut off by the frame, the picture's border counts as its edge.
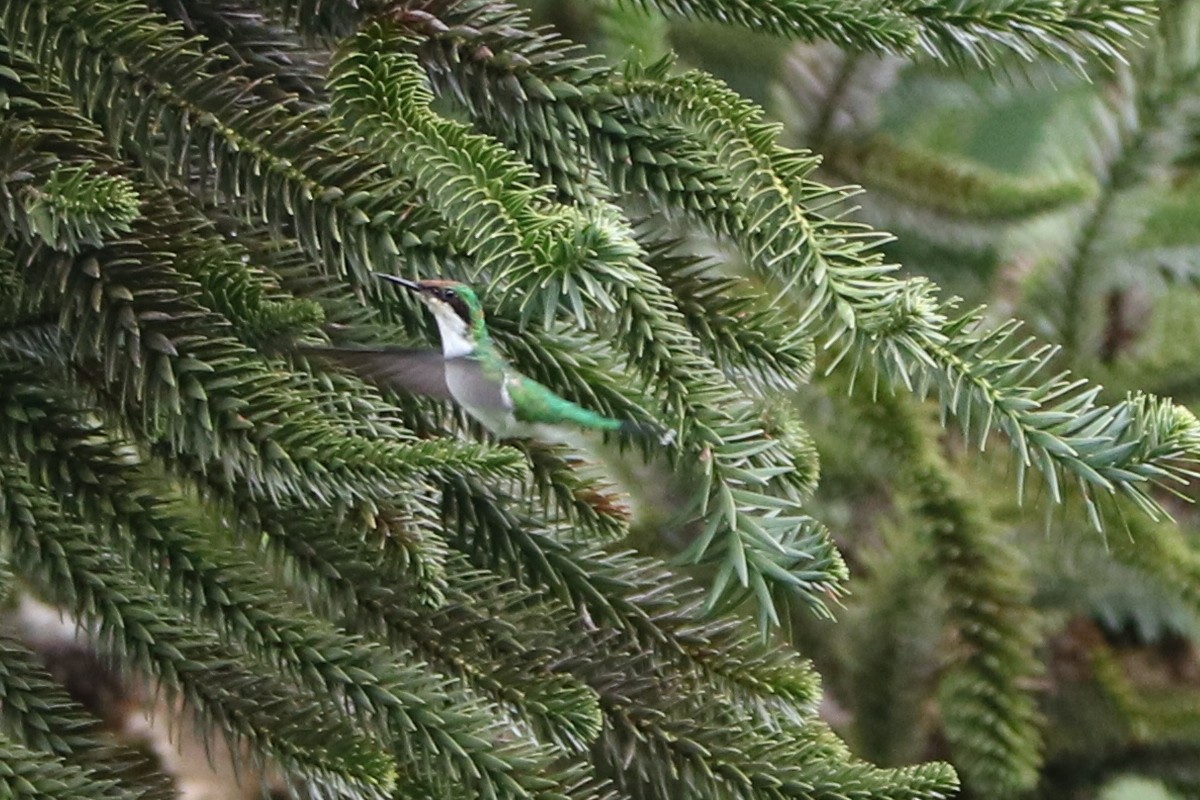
(1066, 198)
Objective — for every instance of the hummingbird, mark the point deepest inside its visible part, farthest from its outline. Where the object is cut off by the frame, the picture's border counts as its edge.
(471, 371)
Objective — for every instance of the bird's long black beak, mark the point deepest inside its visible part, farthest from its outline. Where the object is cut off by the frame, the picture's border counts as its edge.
(405, 282)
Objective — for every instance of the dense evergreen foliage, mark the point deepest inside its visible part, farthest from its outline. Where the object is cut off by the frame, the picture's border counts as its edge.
(366, 596)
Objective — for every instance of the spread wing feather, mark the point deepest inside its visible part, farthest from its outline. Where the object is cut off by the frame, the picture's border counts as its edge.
(413, 370)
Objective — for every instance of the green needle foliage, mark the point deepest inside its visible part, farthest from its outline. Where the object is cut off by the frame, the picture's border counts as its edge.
(1019, 632)
(361, 592)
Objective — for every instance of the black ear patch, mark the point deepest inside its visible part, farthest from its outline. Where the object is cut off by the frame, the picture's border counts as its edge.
(451, 298)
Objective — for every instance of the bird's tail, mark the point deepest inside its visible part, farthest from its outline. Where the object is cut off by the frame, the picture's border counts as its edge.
(648, 430)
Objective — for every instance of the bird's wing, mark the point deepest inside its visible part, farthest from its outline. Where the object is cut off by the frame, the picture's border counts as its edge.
(415, 371)
(476, 387)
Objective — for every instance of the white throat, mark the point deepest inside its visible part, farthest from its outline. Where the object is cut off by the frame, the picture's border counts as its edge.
(456, 338)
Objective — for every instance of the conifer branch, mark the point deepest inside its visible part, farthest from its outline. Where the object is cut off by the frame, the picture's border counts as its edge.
(322, 18)
(989, 715)
(1137, 122)
(893, 633)
(51, 190)
(677, 757)
(40, 713)
(666, 731)
(591, 506)
(1067, 31)
(540, 95)
(1080, 266)
(671, 720)
(1057, 425)
(660, 609)
(234, 284)
(364, 575)
(466, 635)
(977, 32)
(858, 25)
(934, 182)
(490, 199)
(72, 207)
(254, 156)
(35, 775)
(280, 64)
(743, 332)
(834, 94)
(219, 588)
(1163, 553)
(152, 319)
(514, 73)
(368, 560)
(150, 524)
(303, 734)
(901, 327)
(498, 640)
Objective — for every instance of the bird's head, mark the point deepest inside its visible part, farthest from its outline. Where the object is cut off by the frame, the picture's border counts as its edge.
(455, 307)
